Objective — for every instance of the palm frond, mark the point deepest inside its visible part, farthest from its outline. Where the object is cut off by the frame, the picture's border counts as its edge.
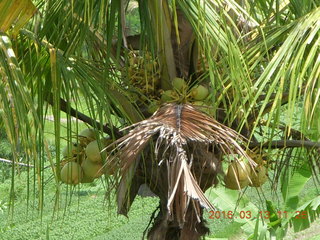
(293, 70)
(15, 13)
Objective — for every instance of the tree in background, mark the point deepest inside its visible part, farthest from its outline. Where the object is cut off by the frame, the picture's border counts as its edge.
(200, 84)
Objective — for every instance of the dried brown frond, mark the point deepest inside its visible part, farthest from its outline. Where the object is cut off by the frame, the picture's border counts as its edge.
(173, 127)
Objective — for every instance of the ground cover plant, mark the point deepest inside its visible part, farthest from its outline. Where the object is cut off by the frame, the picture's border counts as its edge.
(197, 94)
(89, 215)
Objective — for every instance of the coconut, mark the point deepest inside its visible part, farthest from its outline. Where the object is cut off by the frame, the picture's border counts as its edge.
(71, 173)
(91, 169)
(199, 93)
(258, 176)
(237, 176)
(93, 151)
(87, 135)
(71, 150)
(179, 84)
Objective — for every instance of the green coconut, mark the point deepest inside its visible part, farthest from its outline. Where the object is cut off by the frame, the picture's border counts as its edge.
(199, 93)
(179, 84)
(71, 150)
(237, 176)
(93, 151)
(92, 169)
(71, 173)
(258, 176)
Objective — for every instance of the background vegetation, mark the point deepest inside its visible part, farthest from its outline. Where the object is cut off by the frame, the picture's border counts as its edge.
(86, 214)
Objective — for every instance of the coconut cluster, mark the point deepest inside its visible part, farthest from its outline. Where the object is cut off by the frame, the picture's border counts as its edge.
(240, 174)
(82, 161)
(144, 76)
(181, 90)
(197, 95)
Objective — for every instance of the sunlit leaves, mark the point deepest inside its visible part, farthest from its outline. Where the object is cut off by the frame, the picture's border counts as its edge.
(294, 68)
(15, 13)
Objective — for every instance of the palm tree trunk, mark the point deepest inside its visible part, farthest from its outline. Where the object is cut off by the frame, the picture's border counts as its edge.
(163, 229)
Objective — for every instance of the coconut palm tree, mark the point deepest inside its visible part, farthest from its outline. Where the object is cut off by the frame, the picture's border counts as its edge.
(256, 62)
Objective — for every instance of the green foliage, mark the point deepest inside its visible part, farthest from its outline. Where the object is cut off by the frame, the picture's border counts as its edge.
(5, 147)
(86, 215)
(133, 19)
(262, 213)
(6, 153)
(293, 185)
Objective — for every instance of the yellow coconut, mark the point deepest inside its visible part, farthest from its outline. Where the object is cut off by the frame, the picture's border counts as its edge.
(87, 135)
(258, 176)
(237, 176)
(92, 169)
(71, 173)
(93, 151)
